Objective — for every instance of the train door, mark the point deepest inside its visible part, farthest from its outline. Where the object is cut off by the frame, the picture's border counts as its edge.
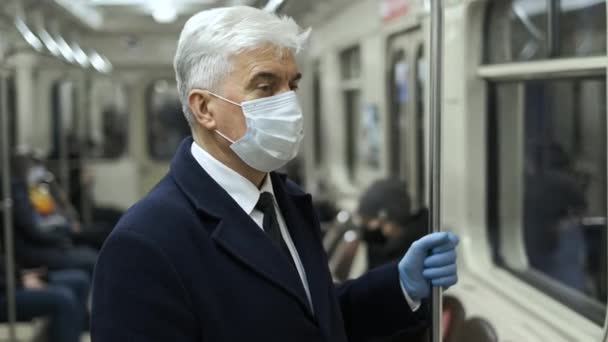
(406, 76)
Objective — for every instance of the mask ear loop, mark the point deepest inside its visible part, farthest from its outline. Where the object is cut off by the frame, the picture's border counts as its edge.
(224, 136)
(232, 102)
(223, 98)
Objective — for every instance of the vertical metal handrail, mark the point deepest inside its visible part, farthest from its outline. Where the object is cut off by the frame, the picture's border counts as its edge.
(435, 146)
(7, 204)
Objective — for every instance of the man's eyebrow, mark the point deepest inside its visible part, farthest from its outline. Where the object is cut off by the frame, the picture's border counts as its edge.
(270, 77)
(263, 76)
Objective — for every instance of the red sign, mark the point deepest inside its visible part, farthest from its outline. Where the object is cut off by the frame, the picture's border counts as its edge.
(391, 9)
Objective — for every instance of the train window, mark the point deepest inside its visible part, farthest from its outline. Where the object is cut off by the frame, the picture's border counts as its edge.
(352, 104)
(111, 123)
(350, 61)
(317, 108)
(63, 112)
(167, 126)
(398, 106)
(12, 111)
(516, 31)
(548, 185)
(421, 72)
(524, 30)
(582, 26)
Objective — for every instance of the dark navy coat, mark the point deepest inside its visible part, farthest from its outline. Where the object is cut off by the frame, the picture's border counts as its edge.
(186, 263)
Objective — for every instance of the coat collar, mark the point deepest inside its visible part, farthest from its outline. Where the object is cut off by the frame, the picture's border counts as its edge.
(236, 233)
(202, 190)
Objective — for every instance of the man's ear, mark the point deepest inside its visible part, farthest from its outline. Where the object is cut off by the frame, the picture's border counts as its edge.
(198, 102)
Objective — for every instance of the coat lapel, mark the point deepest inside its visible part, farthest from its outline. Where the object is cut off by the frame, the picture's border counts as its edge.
(245, 241)
(303, 226)
(235, 233)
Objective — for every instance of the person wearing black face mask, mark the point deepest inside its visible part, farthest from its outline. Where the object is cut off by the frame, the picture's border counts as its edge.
(388, 226)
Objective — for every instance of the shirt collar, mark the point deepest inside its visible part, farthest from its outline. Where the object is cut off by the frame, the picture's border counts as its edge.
(242, 191)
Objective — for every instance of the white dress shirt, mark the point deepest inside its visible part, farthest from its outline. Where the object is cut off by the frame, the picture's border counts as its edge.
(246, 195)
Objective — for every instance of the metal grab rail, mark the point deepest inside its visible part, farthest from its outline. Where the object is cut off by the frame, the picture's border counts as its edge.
(435, 147)
(7, 204)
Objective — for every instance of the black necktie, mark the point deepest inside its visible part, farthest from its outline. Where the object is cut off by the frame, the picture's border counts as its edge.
(271, 225)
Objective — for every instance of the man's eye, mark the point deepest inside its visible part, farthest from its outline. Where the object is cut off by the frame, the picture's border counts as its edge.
(265, 87)
(294, 87)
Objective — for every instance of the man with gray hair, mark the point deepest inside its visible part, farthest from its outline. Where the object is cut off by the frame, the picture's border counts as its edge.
(224, 248)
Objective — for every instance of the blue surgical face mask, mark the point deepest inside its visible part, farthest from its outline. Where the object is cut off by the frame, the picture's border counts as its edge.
(275, 129)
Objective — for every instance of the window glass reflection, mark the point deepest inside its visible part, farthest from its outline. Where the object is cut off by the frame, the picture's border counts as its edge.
(528, 20)
(582, 27)
(517, 31)
(551, 138)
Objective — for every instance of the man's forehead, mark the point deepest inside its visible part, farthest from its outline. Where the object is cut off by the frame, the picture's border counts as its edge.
(262, 59)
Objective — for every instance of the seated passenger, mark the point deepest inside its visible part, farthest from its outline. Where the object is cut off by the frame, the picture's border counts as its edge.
(54, 208)
(388, 226)
(44, 241)
(61, 296)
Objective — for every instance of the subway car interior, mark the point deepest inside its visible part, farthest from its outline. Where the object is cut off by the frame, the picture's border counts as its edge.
(90, 118)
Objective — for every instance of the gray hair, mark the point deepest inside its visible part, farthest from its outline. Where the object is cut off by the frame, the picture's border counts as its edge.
(210, 38)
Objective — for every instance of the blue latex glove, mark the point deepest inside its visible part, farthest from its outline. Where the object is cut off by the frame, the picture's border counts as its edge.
(430, 260)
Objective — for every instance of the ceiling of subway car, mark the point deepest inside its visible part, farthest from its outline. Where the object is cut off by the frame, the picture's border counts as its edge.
(142, 15)
(128, 32)
(150, 16)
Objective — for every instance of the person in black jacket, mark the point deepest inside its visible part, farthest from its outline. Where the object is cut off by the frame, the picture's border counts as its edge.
(389, 227)
(61, 296)
(223, 248)
(44, 242)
